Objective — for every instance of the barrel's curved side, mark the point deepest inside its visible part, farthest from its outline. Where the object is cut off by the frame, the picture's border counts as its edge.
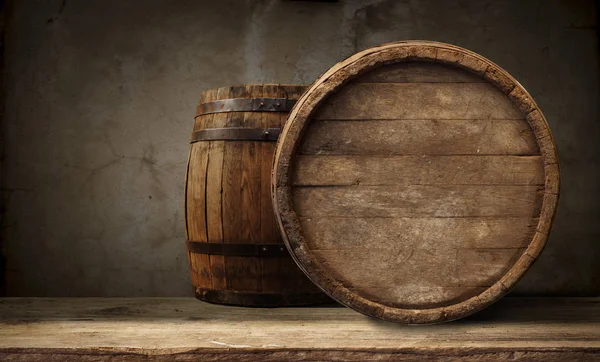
(235, 208)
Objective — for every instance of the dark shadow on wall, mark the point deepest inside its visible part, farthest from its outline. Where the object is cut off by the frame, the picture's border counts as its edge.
(5, 7)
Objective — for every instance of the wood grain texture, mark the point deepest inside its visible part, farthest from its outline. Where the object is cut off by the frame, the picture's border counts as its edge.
(214, 187)
(450, 274)
(195, 211)
(181, 329)
(345, 170)
(420, 137)
(405, 101)
(244, 273)
(415, 72)
(440, 233)
(415, 182)
(197, 215)
(273, 269)
(228, 201)
(419, 201)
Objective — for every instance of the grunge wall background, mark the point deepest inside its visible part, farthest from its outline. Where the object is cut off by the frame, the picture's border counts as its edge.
(99, 98)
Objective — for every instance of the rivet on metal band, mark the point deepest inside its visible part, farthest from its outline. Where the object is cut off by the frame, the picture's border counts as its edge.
(236, 134)
(247, 105)
(261, 250)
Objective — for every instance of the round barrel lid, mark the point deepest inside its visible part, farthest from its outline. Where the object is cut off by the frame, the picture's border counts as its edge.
(415, 182)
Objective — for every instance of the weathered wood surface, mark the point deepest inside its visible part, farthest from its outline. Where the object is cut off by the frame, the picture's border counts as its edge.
(184, 329)
(413, 233)
(345, 170)
(415, 182)
(418, 201)
(459, 274)
(418, 73)
(478, 101)
(228, 201)
(420, 137)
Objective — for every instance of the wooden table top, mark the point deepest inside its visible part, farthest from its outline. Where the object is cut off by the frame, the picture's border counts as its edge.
(182, 329)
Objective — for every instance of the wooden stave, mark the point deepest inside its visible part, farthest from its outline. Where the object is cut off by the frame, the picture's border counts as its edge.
(355, 65)
(216, 266)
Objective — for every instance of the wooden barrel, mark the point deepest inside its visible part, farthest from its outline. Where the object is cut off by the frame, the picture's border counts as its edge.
(236, 254)
(415, 182)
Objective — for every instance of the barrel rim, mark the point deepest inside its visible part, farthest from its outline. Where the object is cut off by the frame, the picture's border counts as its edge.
(335, 78)
(220, 90)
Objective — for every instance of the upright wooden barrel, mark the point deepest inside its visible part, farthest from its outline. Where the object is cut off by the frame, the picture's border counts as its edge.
(236, 253)
(416, 182)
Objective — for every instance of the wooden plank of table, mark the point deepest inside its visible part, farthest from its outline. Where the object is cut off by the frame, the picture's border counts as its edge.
(183, 329)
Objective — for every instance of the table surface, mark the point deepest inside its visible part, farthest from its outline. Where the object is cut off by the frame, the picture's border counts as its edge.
(187, 329)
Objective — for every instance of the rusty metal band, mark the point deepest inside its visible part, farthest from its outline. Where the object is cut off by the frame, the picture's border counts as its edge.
(236, 134)
(247, 105)
(250, 299)
(257, 250)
